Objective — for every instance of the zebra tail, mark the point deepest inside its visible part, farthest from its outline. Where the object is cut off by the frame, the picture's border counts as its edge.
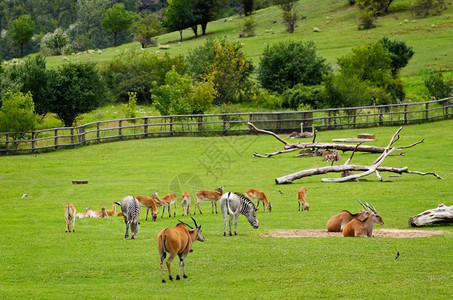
(117, 203)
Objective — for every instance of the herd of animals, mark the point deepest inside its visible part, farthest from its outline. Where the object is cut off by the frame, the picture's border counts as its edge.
(178, 240)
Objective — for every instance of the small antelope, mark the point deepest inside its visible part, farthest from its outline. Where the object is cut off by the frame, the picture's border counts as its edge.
(337, 222)
(69, 216)
(148, 202)
(177, 240)
(208, 196)
(357, 227)
(302, 199)
(330, 156)
(100, 213)
(260, 197)
(111, 212)
(185, 203)
(87, 214)
(166, 201)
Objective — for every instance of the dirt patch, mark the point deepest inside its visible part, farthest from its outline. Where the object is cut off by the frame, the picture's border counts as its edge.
(322, 233)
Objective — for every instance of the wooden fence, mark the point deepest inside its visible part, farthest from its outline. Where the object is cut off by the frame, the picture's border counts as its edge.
(223, 124)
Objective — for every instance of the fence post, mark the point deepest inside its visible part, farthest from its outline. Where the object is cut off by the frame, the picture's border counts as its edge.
(426, 111)
(251, 121)
(200, 122)
(98, 132)
(279, 122)
(171, 125)
(7, 143)
(72, 136)
(354, 111)
(145, 127)
(56, 138)
(82, 134)
(381, 116)
(405, 114)
(447, 103)
(329, 120)
(224, 124)
(120, 129)
(33, 141)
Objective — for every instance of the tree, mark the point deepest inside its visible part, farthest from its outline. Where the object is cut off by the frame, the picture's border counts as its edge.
(180, 15)
(439, 88)
(378, 7)
(56, 41)
(400, 54)
(17, 113)
(78, 88)
(205, 11)
(289, 13)
(146, 28)
(286, 64)
(247, 6)
(21, 30)
(117, 19)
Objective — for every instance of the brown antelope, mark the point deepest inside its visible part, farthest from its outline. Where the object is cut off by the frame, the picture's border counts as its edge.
(69, 216)
(337, 222)
(185, 203)
(302, 199)
(148, 202)
(260, 197)
(111, 212)
(100, 213)
(166, 201)
(357, 227)
(330, 156)
(177, 241)
(87, 214)
(208, 196)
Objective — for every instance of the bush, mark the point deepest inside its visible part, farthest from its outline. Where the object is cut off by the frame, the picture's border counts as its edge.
(438, 88)
(17, 114)
(425, 7)
(306, 96)
(286, 64)
(367, 20)
(400, 54)
(248, 27)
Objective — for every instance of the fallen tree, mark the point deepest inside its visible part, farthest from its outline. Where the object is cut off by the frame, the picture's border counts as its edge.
(440, 214)
(346, 169)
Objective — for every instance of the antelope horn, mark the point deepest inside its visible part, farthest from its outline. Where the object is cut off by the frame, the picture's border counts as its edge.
(371, 207)
(362, 204)
(185, 224)
(195, 222)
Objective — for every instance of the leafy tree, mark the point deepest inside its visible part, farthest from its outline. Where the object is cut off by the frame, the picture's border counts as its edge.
(21, 30)
(205, 11)
(180, 15)
(289, 13)
(146, 28)
(425, 7)
(400, 54)
(56, 41)
(286, 64)
(78, 88)
(309, 96)
(439, 88)
(346, 91)
(117, 19)
(247, 6)
(17, 113)
(377, 7)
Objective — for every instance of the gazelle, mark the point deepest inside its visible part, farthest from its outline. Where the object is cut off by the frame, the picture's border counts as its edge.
(302, 199)
(102, 213)
(148, 202)
(260, 196)
(87, 214)
(337, 222)
(69, 216)
(166, 201)
(357, 227)
(185, 203)
(208, 196)
(177, 241)
(111, 212)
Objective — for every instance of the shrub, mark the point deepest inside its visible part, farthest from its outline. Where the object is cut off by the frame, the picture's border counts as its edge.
(307, 96)
(438, 88)
(248, 27)
(17, 114)
(400, 54)
(425, 7)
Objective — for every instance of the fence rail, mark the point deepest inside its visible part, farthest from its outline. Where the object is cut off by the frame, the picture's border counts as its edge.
(223, 124)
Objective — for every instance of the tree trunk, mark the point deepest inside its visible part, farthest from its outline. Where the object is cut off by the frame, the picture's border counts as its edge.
(180, 34)
(440, 214)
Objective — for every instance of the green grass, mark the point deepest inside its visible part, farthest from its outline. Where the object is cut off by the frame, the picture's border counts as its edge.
(40, 260)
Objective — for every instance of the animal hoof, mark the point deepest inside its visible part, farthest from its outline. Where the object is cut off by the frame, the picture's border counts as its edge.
(171, 277)
(163, 280)
(73, 230)
(224, 234)
(177, 277)
(185, 276)
(231, 234)
(235, 233)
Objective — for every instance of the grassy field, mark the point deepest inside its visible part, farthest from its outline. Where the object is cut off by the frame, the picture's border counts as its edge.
(39, 260)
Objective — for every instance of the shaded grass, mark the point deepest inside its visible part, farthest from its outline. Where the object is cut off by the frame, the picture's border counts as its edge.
(39, 260)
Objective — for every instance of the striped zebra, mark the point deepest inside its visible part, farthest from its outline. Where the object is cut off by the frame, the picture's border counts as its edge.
(233, 204)
(131, 211)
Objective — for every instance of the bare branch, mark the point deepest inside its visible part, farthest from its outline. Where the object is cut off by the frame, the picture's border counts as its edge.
(269, 132)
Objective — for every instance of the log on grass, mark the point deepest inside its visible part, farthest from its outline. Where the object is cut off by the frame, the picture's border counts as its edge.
(440, 214)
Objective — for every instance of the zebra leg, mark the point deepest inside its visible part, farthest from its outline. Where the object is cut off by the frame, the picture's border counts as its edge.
(127, 231)
(231, 220)
(236, 223)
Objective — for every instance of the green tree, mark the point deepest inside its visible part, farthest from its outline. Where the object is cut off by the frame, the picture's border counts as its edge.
(289, 8)
(247, 6)
(286, 64)
(78, 88)
(400, 54)
(439, 88)
(377, 7)
(180, 15)
(146, 28)
(205, 11)
(56, 41)
(117, 19)
(21, 30)
(17, 114)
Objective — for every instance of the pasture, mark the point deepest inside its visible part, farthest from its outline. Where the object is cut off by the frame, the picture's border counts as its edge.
(39, 260)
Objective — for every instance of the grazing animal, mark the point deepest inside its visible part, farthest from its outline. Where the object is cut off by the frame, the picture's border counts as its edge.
(100, 213)
(166, 202)
(208, 196)
(337, 222)
(177, 240)
(260, 197)
(302, 199)
(69, 217)
(87, 214)
(233, 204)
(130, 208)
(111, 212)
(148, 202)
(357, 227)
(185, 203)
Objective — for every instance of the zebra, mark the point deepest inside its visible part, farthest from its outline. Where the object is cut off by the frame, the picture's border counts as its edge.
(233, 204)
(131, 211)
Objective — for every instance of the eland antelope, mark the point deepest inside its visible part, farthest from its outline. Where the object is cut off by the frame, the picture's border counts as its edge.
(357, 228)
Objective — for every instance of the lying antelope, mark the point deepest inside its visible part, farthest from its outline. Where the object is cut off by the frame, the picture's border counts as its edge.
(260, 197)
(177, 240)
(185, 203)
(69, 217)
(148, 202)
(87, 214)
(208, 196)
(100, 213)
(111, 212)
(337, 222)
(302, 199)
(166, 202)
(357, 227)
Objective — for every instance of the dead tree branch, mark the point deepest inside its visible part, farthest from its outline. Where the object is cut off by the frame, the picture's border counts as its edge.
(440, 214)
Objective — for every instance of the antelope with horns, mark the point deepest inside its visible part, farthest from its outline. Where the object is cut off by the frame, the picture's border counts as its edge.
(69, 216)
(177, 240)
(260, 197)
(234, 204)
(337, 222)
(208, 196)
(166, 202)
(302, 199)
(148, 202)
(357, 227)
(185, 203)
(130, 208)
